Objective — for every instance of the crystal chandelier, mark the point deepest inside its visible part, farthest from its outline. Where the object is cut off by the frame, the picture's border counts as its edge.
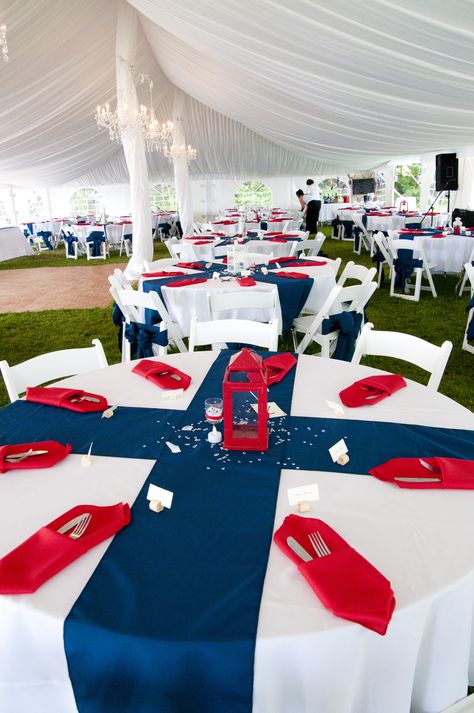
(175, 152)
(155, 135)
(3, 42)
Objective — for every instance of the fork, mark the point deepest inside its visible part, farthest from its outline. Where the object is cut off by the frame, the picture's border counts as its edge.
(319, 546)
(79, 524)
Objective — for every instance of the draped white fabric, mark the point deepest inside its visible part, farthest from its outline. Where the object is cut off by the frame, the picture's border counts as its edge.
(273, 88)
(180, 166)
(132, 139)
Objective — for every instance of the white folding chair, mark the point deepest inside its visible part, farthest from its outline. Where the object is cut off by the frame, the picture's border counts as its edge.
(407, 347)
(365, 237)
(132, 304)
(224, 326)
(383, 245)
(465, 278)
(340, 299)
(180, 250)
(157, 265)
(104, 249)
(465, 705)
(51, 366)
(356, 272)
(119, 281)
(56, 233)
(469, 268)
(310, 248)
(418, 253)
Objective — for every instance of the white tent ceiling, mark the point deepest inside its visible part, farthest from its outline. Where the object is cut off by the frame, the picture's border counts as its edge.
(273, 87)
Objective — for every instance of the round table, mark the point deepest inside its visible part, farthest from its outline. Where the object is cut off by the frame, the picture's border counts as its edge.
(205, 249)
(306, 659)
(183, 303)
(447, 254)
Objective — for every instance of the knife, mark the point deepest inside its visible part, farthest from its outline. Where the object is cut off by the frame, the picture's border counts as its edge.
(85, 398)
(298, 549)
(418, 480)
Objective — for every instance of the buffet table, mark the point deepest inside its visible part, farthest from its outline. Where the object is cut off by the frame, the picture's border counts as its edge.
(306, 659)
(13, 244)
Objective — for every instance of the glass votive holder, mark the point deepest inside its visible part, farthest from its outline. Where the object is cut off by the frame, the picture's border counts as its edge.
(214, 410)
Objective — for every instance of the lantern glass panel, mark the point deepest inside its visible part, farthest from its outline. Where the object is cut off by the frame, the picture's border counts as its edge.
(244, 417)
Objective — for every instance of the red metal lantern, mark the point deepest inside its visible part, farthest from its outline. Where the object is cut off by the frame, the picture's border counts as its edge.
(245, 383)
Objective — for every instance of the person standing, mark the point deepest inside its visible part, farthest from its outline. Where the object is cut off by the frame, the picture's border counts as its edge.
(312, 206)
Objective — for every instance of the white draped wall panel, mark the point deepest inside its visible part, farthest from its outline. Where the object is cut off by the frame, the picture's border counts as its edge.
(180, 167)
(132, 139)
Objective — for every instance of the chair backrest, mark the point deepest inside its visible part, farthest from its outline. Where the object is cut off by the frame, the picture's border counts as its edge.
(181, 250)
(357, 272)
(118, 280)
(415, 246)
(132, 302)
(470, 275)
(383, 245)
(310, 248)
(264, 304)
(243, 331)
(407, 347)
(51, 366)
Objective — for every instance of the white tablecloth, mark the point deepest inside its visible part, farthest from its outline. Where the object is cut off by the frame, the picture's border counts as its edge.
(212, 250)
(307, 660)
(447, 254)
(395, 221)
(13, 244)
(183, 303)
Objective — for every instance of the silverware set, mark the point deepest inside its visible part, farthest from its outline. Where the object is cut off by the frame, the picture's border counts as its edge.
(319, 546)
(18, 457)
(77, 525)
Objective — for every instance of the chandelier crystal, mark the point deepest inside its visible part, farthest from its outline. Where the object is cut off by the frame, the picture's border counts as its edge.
(155, 135)
(3, 42)
(176, 152)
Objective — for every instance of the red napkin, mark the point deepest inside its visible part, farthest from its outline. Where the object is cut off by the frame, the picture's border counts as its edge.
(56, 452)
(267, 235)
(371, 390)
(292, 275)
(437, 235)
(200, 238)
(278, 367)
(285, 258)
(47, 552)
(190, 265)
(163, 273)
(431, 213)
(72, 399)
(276, 240)
(453, 473)
(246, 281)
(204, 242)
(413, 231)
(344, 581)
(186, 283)
(163, 375)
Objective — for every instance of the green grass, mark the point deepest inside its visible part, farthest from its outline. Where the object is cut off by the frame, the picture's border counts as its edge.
(24, 335)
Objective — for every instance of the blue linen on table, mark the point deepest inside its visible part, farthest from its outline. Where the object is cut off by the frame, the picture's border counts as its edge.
(292, 295)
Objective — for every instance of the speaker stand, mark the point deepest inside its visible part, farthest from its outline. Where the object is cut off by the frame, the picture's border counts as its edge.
(431, 206)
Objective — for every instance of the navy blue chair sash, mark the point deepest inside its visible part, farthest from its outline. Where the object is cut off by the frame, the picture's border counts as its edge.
(95, 239)
(70, 239)
(142, 337)
(45, 235)
(404, 265)
(470, 328)
(349, 325)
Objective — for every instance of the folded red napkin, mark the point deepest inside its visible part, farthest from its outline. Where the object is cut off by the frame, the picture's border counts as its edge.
(186, 283)
(55, 452)
(344, 581)
(285, 258)
(246, 281)
(371, 390)
(438, 235)
(278, 367)
(47, 552)
(276, 240)
(163, 375)
(292, 275)
(163, 273)
(190, 265)
(200, 238)
(431, 213)
(204, 242)
(72, 399)
(273, 234)
(413, 231)
(452, 473)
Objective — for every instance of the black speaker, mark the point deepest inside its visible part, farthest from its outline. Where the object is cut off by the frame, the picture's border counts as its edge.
(446, 172)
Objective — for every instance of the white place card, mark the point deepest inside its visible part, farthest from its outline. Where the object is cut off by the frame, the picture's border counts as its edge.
(274, 411)
(157, 493)
(338, 449)
(303, 493)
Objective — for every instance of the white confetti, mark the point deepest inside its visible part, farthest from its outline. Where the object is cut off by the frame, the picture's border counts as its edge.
(173, 447)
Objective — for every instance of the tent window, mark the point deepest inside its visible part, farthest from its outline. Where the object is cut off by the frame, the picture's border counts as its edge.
(163, 197)
(408, 183)
(253, 193)
(86, 201)
(380, 187)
